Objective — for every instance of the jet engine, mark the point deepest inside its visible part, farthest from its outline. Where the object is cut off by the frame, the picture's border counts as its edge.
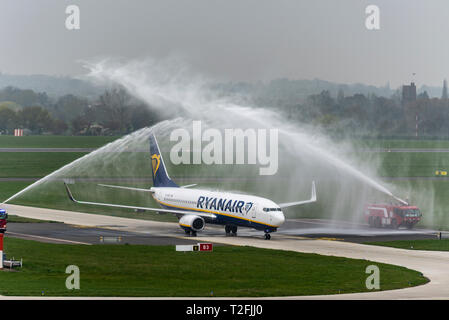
(192, 222)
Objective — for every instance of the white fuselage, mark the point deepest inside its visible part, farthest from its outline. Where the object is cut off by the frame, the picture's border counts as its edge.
(230, 208)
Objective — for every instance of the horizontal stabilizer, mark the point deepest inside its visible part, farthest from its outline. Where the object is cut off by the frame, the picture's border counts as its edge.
(189, 185)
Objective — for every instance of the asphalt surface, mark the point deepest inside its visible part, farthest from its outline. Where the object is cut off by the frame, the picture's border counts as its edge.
(303, 228)
(351, 231)
(62, 233)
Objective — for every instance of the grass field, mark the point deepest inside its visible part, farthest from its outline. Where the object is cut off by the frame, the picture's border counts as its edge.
(412, 164)
(432, 245)
(160, 271)
(8, 188)
(55, 197)
(55, 141)
(98, 141)
(400, 143)
(33, 164)
(432, 196)
(404, 164)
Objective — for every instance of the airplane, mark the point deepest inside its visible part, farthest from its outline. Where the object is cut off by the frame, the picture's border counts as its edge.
(195, 207)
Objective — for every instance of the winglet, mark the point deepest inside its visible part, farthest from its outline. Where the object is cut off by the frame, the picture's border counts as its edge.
(69, 193)
(297, 203)
(313, 198)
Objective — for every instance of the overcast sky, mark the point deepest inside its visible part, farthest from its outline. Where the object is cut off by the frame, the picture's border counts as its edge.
(235, 39)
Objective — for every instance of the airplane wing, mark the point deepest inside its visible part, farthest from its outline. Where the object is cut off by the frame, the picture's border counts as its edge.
(139, 189)
(177, 212)
(126, 188)
(297, 203)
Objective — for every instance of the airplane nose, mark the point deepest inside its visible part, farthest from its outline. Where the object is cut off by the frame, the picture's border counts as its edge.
(280, 218)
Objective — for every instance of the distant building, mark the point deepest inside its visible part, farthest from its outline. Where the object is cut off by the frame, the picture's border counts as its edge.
(408, 93)
(444, 95)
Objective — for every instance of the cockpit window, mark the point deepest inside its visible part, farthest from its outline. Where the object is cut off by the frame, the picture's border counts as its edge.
(271, 209)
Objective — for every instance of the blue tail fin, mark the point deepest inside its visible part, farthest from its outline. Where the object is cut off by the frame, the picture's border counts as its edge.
(160, 176)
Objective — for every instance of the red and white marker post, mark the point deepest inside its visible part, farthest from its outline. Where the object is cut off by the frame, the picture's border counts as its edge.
(1, 250)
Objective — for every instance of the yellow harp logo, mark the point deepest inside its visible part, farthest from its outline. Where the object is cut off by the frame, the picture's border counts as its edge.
(155, 161)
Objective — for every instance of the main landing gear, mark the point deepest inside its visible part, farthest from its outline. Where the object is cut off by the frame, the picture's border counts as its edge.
(231, 230)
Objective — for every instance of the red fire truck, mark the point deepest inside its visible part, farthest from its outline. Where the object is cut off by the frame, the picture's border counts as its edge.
(3, 217)
(392, 215)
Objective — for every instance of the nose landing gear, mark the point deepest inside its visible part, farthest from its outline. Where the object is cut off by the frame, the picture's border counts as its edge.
(267, 236)
(190, 232)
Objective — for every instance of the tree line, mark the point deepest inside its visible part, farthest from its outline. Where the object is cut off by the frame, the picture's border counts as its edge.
(371, 115)
(114, 113)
